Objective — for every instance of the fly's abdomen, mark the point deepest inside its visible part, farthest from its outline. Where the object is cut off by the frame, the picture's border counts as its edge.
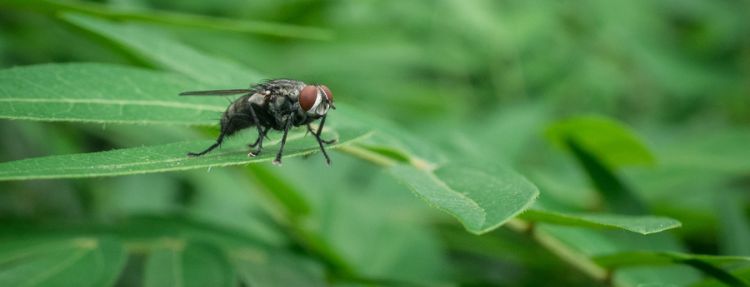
(236, 118)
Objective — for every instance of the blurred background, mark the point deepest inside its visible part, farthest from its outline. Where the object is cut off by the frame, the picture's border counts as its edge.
(481, 80)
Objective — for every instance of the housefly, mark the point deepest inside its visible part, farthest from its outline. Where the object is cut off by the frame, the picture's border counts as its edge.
(273, 104)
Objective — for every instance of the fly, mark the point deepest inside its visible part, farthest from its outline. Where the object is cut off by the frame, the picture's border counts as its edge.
(274, 104)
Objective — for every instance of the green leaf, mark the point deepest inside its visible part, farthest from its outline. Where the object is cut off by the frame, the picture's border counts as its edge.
(579, 245)
(80, 261)
(707, 150)
(743, 273)
(616, 193)
(291, 203)
(102, 93)
(158, 48)
(178, 19)
(256, 268)
(734, 224)
(168, 157)
(708, 264)
(180, 263)
(482, 199)
(637, 224)
(612, 142)
(635, 258)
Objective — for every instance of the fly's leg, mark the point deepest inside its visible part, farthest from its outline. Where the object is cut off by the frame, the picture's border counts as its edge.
(320, 130)
(218, 142)
(212, 147)
(277, 161)
(320, 143)
(261, 134)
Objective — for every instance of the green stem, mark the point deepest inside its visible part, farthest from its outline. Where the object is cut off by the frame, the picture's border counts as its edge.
(563, 251)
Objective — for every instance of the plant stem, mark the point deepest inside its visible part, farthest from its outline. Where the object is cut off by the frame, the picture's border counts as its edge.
(563, 251)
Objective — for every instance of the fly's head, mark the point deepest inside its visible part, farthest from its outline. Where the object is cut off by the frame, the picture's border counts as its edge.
(316, 100)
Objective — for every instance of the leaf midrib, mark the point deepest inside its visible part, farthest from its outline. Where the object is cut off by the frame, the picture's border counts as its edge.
(148, 103)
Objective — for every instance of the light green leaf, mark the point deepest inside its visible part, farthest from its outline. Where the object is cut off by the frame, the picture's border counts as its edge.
(482, 199)
(180, 263)
(102, 93)
(168, 157)
(80, 261)
(614, 143)
(159, 48)
(637, 224)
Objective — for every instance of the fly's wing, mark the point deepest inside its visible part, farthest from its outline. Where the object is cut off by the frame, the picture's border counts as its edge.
(216, 92)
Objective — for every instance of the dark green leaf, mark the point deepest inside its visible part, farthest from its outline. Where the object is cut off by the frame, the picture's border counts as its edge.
(616, 193)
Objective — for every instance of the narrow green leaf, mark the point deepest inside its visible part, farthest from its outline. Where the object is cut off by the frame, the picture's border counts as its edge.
(708, 264)
(162, 158)
(612, 142)
(635, 258)
(80, 261)
(102, 93)
(159, 48)
(180, 263)
(637, 224)
(743, 273)
(482, 199)
(178, 19)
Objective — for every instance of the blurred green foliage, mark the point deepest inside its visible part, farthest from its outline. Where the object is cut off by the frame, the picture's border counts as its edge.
(613, 111)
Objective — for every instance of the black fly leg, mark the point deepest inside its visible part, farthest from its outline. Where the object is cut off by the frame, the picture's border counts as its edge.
(218, 142)
(320, 130)
(277, 161)
(212, 147)
(320, 143)
(261, 133)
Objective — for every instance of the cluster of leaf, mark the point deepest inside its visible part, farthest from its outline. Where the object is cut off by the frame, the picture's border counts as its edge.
(480, 109)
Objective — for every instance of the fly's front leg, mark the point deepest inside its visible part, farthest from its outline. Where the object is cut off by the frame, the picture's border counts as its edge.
(320, 130)
(320, 143)
(288, 125)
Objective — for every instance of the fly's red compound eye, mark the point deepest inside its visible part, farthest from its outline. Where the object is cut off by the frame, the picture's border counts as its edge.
(328, 93)
(308, 97)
